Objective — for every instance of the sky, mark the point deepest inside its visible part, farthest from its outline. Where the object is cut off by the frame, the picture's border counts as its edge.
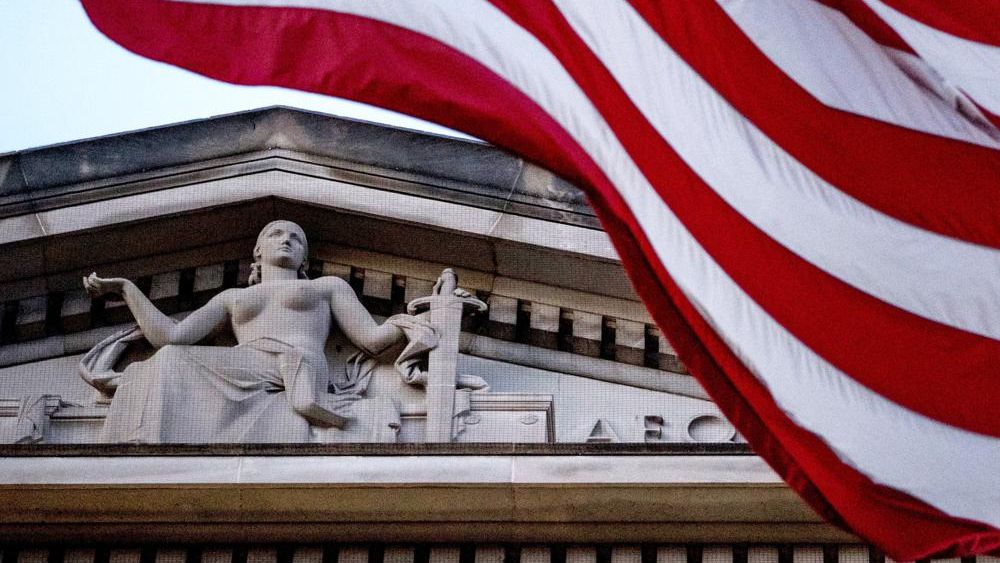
(64, 81)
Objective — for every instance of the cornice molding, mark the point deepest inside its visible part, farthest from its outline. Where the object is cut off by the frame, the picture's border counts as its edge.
(280, 138)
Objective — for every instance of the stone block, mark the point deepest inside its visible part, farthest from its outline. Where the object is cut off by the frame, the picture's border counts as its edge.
(416, 288)
(377, 284)
(717, 554)
(536, 554)
(397, 554)
(630, 334)
(671, 554)
(217, 556)
(32, 310)
(124, 556)
(30, 322)
(75, 302)
(587, 325)
(761, 554)
(544, 317)
(544, 325)
(445, 555)
(492, 554)
(309, 554)
(353, 554)
(630, 341)
(509, 417)
(33, 556)
(585, 337)
(170, 556)
(261, 555)
(341, 271)
(207, 278)
(626, 554)
(78, 555)
(807, 554)
(165, 285)
(503, 309)
(845, 554)
(578, 554)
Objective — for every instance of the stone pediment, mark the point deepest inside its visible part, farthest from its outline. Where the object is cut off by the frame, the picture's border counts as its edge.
(565, 346)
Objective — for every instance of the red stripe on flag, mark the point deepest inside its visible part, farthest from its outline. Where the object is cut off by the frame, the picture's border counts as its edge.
(939, 184)
(868, 21)
(975, 20)
(862, 336)
(317, 51)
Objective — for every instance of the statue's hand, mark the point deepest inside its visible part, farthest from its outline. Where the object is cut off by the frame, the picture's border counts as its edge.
(97, 287)
(461, 293)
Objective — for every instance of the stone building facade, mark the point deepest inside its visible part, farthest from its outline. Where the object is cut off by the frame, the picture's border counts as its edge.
(591, 443)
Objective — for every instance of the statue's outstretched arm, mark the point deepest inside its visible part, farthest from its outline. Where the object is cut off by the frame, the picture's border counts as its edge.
(158, 328)
(357, 324)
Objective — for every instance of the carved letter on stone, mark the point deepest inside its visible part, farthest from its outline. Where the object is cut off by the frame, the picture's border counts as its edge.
(653, 428)
(602, 433)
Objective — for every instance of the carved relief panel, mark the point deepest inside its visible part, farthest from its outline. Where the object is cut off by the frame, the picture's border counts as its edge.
(300, 360)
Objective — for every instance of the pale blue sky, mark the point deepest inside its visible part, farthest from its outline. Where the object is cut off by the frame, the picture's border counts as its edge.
(62, 81)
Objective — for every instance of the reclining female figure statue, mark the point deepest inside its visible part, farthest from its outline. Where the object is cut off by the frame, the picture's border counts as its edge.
(269, 388)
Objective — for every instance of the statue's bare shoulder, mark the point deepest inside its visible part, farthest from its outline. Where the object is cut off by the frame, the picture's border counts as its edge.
(226, 296)
(336, 286)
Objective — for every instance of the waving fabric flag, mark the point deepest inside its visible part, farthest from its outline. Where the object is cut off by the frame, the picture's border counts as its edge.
(806, 195)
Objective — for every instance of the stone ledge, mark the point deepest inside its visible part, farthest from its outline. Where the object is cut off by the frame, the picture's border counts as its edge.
(587, 533)
(380, 450)
(411, 470)
(267, 128)
(465, 498)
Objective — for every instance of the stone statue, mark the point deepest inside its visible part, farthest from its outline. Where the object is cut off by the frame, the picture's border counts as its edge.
(272, 386)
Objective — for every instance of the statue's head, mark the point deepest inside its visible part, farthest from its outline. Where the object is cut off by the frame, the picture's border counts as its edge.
(283, 244)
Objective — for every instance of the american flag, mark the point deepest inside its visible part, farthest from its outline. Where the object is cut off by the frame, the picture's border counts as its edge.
(806, 195)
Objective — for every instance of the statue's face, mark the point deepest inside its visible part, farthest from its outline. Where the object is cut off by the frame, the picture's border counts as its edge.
(282, 243)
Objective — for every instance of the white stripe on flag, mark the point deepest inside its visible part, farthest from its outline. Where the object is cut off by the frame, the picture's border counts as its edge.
(972, 66)
(822, 51)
